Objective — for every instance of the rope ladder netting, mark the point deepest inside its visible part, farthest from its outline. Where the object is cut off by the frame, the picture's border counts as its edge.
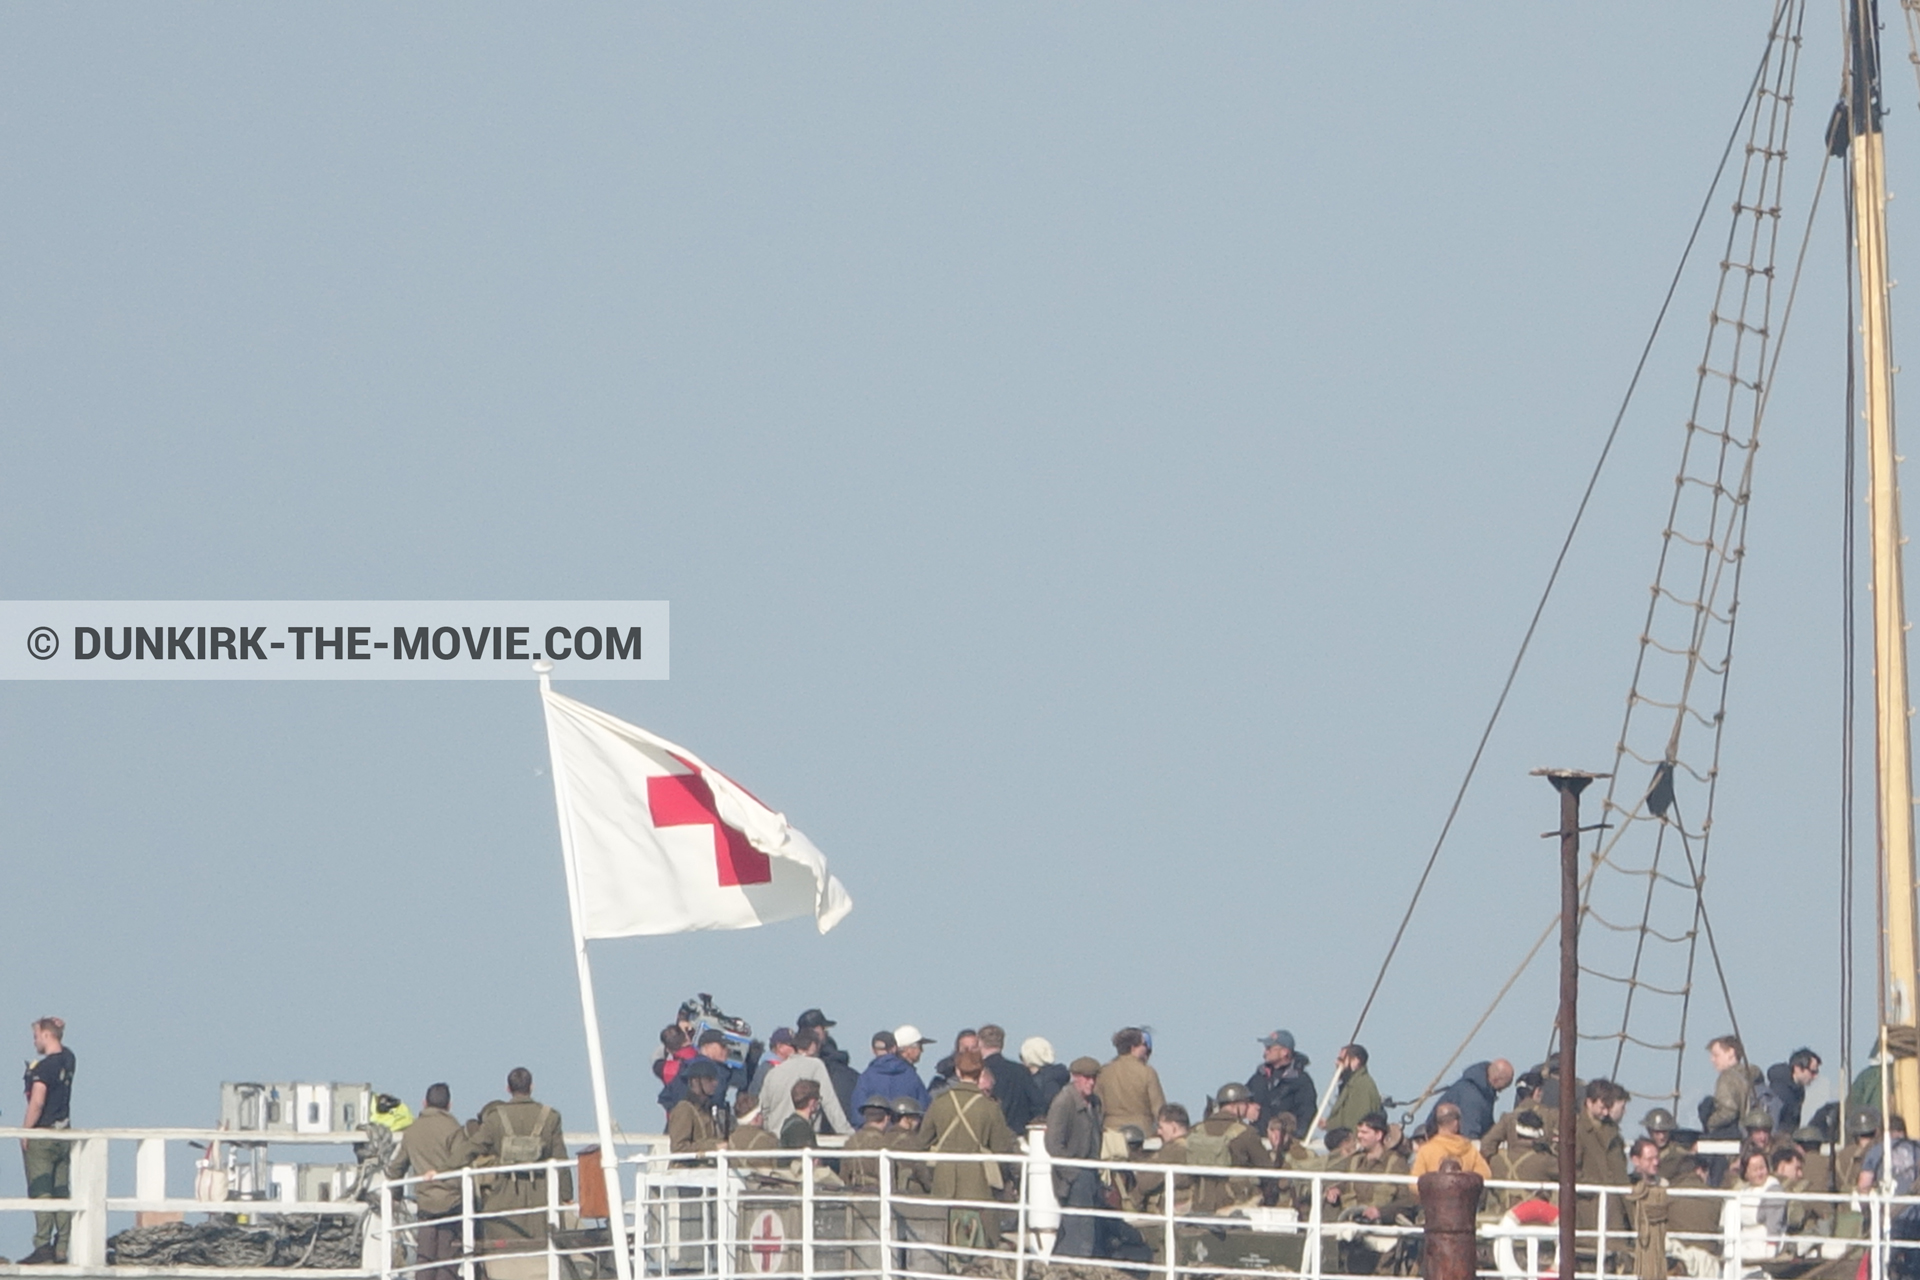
(1643, 909)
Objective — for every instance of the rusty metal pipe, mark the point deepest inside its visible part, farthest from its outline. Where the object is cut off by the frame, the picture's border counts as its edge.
(1448, 1201)
(1569, 783)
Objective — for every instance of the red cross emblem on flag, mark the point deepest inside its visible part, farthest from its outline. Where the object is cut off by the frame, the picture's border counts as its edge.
(685, 799)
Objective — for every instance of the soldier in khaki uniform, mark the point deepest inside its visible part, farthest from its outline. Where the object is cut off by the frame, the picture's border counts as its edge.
(1173, 1126)
(1819, 1154)
(1288, 1152)
(1694, 1215)
(1526, 1097)
(518, 1131)
(435, 1143)
(1225, 1139)
(748, 1133)
(967, 1119)
(1126, 1183)
(1659, 1125)
(750, 1136)
(910, 1177)
(690, 1126)
(1648, 1206)
(1599, 1155)
(1760, 1139)
(1863, 1130)
(876, 1123)
(1369, 1201)
(1129, 1089)
(1527, 1158)
(1283, 1140)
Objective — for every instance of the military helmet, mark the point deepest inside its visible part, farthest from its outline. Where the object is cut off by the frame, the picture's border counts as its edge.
(1863, 1124)
(907, 1107)
(1758, 1118)
(1133, 1134)
(1660, 1120)
(1230, 1094)
(1808, 1136)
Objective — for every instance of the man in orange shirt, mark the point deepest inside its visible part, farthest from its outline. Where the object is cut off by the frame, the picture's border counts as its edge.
(1448, 1144)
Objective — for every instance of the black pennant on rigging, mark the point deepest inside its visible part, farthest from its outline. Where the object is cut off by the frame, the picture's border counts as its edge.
(1660, 794)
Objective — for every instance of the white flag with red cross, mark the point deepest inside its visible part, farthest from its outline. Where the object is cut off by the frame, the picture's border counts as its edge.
(663, 843)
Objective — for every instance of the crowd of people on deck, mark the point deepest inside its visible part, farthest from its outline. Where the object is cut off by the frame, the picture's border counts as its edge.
(769, 1105)
(1502, 1124)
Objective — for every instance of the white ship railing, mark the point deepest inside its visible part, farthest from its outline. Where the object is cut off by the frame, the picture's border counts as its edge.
(99, 1165)
(738, 1215)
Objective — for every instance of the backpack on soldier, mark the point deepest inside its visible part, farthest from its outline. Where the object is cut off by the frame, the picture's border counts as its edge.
(524, 1148)
(1213, 1148)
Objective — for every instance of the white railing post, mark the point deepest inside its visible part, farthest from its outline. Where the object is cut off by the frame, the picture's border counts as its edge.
(1877, 1212)
(1600, 1236)
(886, 1213)
(466, 1224)
(385, 1238)
(553, 1218)
(1022, 1217)
(150, 1169)
(726, 1215)
(87, 1186)
(642, 1209)
(1311, 1261)
(1168, 1193)
(806, 1214)
(1730, 1238)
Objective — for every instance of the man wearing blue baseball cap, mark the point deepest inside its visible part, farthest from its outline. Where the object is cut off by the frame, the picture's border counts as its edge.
(1281, 1083)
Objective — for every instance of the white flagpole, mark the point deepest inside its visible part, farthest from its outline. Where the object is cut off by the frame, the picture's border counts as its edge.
(596, 1064)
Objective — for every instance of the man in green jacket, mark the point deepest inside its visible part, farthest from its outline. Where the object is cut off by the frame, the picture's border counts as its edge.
(433, 1146)
(519, 1131)
(1732, 1088)
(1599, 1155)
(965, 1119)
(1358, 1098)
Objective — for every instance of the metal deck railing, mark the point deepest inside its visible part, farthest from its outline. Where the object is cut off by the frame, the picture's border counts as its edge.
(736, 1215)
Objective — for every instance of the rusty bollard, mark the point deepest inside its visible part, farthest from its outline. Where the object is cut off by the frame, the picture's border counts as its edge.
(1448, 1201)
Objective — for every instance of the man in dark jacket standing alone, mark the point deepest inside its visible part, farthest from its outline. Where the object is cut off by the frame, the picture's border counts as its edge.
(49, 1086)
(1075, 1122)
(1282, 1084)
(1475, 1092)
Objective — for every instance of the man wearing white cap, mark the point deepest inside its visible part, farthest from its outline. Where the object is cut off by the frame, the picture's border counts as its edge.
(892, 1073)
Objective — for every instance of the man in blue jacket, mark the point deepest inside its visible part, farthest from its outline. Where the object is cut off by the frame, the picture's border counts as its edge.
(1475, 1092)
(891, 1074)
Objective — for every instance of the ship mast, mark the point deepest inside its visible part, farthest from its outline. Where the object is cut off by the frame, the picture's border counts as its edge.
(1866, 163)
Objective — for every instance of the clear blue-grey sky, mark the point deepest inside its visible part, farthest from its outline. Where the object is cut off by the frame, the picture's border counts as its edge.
(1100, 458)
